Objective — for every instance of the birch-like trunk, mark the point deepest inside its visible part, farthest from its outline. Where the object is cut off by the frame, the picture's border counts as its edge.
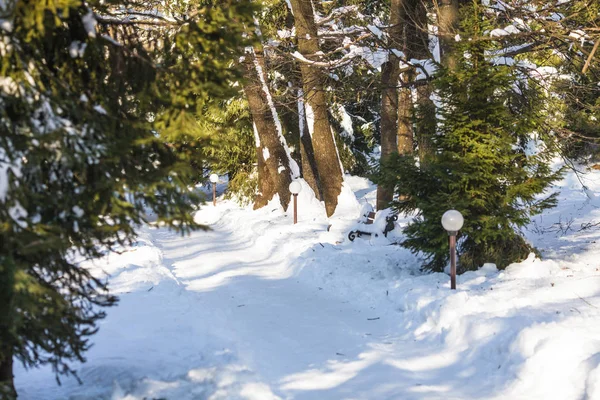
(276, 168)
(326, 155)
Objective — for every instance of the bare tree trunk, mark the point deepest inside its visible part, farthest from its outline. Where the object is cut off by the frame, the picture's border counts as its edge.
(405, 112)
(276, 168)
(7, 384)
(266, 187)
(425, 123)
(447, 15)
(389, 126)
(307, 153)
(326, 155)
(390, 74)
(424, 110)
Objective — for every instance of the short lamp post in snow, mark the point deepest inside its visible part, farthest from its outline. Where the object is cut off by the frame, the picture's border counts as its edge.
(214, 178)
(452, 221)
(295, 188)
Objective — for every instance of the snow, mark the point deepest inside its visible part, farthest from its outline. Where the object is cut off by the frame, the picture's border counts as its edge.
(509, 30)
(578, 34)
(295, 169)
(301, 117)
(89, 23)
(345, 121)
(256, 137)
(6, 25)
(8, 167)
(77, 49)
(310, 118)
(261, 308)
(99, 109)
(376, 31)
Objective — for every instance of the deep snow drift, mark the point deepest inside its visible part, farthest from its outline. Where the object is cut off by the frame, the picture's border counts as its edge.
(259, 308)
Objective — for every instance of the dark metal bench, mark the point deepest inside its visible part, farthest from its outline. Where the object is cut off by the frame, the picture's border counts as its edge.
(370, 218)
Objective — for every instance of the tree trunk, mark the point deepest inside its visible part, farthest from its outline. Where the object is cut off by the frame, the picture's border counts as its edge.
(389, 126)
(424, 110)
(276, 168)
(326, 155)
(266, 187)
(447, 15)
(405, 111)
(425, 123)
(7, 384)
(309, 164)
(390, 74)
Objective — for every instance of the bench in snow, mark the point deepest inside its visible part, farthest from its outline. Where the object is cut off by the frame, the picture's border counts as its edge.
(373, 224)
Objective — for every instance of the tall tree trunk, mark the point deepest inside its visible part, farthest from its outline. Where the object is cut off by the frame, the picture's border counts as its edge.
(389, 126)
(326, 155)
(276, 167)
(424, 110)
(405, 111)
(7, 384)
(390, 74)
(266, 187)
(307, 153)
(447, 15)
(425, 123)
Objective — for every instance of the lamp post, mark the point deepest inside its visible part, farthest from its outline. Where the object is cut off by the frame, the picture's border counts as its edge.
(452, 221)
(214, 178)
(295, 188)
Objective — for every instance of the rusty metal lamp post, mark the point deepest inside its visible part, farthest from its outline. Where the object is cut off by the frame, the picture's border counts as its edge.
(295, 188)
(214, 178)
(452, 221)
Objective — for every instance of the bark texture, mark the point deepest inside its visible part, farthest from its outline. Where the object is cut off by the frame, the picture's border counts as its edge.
(405, 112)
(325, 151)
(447, 15)
(7, 385)
(274, 164)
(266, 187)
(424, 109)
(390, 74)
(307, 153)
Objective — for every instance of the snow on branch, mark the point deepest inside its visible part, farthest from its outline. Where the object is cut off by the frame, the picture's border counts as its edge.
(353, 53)
(335, 13)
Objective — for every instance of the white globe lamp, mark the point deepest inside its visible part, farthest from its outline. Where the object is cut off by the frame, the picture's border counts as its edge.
(452, 221)
(295, 188)
(214, 178)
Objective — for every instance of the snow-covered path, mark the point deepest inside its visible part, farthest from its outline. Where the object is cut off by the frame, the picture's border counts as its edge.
(259, 308)
(278, 326)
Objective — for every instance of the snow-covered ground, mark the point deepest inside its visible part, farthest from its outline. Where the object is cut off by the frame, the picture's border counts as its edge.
(259, 308)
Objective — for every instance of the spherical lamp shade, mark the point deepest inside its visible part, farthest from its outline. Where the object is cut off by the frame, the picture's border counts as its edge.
(295, 187)
(452, 220)
(214, 178)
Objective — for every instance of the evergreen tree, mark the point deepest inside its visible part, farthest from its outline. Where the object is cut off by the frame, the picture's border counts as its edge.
(97, 128)
(232, 150)
(483, 165)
